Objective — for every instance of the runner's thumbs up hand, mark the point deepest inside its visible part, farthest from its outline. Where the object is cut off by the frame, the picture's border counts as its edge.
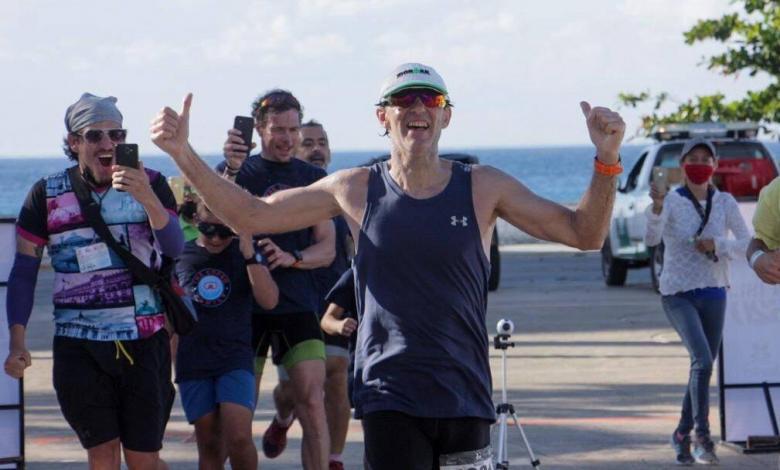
(606, 129)
(171, 130)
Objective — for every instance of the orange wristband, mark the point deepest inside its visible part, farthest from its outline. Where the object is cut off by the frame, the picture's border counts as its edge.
(608, 170)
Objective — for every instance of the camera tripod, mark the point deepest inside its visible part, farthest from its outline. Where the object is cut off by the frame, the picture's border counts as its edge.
(504, 409)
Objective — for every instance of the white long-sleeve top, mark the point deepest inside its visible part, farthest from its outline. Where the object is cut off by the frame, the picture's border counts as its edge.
(684, 267)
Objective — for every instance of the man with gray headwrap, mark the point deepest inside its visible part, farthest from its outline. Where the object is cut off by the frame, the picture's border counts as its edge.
(112, 362)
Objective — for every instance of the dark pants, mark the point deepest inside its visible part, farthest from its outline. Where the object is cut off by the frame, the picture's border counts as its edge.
(395, 440)
(699, 322)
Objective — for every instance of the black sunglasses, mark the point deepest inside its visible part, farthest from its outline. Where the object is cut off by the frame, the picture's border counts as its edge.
(93, 136)
(210, 230)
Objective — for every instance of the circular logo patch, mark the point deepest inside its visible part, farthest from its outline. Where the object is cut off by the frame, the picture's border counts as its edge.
(212, 287)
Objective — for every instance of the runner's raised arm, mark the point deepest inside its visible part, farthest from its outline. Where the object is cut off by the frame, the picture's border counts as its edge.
(282, 212)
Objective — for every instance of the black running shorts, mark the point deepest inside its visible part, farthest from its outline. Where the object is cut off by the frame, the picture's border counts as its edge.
(104, 396)
(395, 440)
(292, 338)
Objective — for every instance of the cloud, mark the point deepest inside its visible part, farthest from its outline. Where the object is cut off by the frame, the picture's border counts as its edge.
(253, 39)
(468, 37)
(318, 45)
(143, 52)
(344, 7)
(469, 24)
(472, 55)
(672, 15)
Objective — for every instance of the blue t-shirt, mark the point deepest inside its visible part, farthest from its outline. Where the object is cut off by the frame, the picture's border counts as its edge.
(298, 290)
(222, 296)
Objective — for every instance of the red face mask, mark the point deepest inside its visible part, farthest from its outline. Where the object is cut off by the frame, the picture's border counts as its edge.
(698, 173)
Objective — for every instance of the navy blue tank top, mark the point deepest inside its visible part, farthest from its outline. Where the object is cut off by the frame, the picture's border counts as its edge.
(421, 283)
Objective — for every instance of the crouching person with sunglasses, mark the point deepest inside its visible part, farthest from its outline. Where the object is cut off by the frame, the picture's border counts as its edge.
(215, 363)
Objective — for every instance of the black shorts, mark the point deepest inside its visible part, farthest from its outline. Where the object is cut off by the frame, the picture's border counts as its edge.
(104, 397)
(396, 440)
(339, 341)
(292, 338)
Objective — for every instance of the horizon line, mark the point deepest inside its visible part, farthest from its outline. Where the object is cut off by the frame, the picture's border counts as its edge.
(364, 150)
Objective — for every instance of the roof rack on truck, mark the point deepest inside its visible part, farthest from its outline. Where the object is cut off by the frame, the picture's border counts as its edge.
(688, 130)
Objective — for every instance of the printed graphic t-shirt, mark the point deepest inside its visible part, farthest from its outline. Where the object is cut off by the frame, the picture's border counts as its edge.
(104, 303)
(222, 295)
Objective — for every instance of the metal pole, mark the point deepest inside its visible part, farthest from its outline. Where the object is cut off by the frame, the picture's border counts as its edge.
(505, 455)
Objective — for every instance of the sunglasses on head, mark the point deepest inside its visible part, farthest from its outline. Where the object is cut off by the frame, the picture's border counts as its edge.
(407, 98)
(210, 230)
(93, 136)
(277, 100)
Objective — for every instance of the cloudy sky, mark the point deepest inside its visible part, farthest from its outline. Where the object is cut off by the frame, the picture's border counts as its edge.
(516, 70)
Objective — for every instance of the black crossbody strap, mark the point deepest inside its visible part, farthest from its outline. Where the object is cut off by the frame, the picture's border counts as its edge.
(704, 213)
(91, 212)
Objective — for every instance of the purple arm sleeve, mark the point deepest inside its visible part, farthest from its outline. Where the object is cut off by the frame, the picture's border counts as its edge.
(170, 237)
(21, 289)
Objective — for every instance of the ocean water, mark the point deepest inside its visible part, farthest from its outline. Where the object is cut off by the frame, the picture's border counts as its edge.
(557, 173)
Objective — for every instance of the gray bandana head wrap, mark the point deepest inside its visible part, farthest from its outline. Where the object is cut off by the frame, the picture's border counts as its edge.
(90, 109)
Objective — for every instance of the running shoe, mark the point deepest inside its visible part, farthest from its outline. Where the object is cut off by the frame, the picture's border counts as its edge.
(334, 465)
(682, 449)
(275, 439)
(704, 451)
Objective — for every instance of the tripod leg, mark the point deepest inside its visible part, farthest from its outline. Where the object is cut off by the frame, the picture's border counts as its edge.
(534, 461)
(501, 459)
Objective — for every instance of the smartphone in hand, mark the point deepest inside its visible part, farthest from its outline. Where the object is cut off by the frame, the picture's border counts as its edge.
(127, 155)
(245, 125)
(661, 179)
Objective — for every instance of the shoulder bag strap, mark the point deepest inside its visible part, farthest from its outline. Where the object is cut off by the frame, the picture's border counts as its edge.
(91, 212)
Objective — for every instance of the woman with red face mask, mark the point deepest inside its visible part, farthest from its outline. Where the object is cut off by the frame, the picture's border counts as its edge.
(693, 222)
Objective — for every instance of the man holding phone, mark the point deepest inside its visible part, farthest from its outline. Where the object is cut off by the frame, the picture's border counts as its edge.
(112, 363)
(293, 324)
(314, 148)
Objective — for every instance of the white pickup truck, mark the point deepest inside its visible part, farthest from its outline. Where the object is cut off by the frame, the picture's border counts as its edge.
(744, 167)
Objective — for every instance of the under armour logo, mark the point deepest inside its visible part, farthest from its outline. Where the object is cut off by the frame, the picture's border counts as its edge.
(464, 221)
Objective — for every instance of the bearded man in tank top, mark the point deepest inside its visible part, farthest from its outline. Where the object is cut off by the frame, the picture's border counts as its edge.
(422, 227)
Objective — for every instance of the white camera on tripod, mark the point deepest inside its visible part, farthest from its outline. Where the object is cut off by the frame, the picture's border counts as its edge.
(505, 327)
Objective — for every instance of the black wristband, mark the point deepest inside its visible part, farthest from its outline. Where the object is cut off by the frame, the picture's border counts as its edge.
(257, 258)
(230, 171)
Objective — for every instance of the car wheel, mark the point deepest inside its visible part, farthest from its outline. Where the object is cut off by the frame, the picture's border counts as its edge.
(656, 265)
(495, 263)
(614, 270)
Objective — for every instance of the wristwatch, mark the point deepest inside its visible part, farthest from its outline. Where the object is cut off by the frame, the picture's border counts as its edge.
(258, 258)
(230, 171)
(298, 256)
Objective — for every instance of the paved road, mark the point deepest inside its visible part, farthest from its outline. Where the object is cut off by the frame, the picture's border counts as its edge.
(596, 377)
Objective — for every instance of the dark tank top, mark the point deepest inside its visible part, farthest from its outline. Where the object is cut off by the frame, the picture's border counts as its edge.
(421, 283)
